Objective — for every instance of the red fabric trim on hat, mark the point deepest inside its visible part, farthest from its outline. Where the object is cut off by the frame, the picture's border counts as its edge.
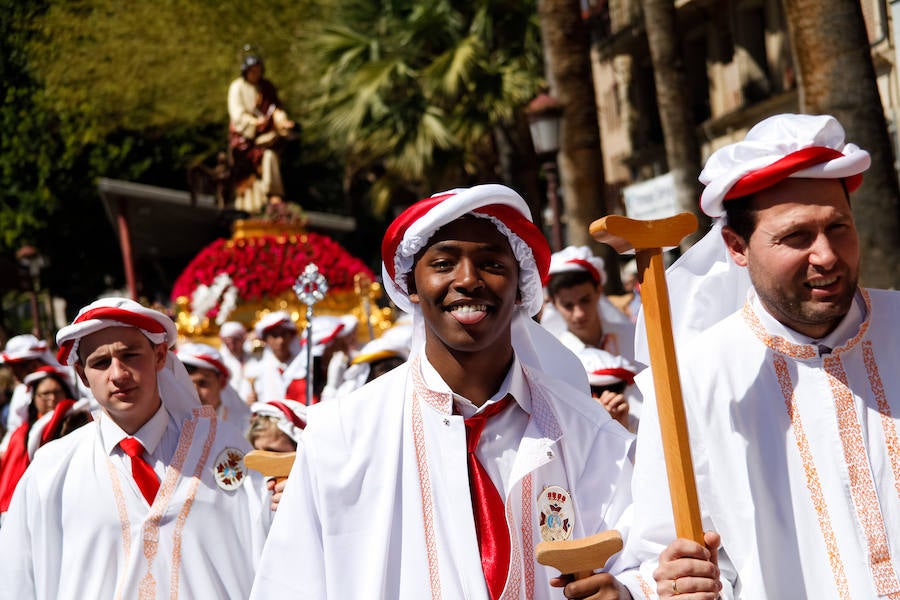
(291, 415)
(783, 168)
(219, 365)
(395, 232)
(587, 266)
(526, 230)
(328, 338)
(286, 323)
(617, 372)
(111, 313)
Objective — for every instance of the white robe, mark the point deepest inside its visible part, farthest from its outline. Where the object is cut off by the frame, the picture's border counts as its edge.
(798, 473)
(240, 371)
(378, 503)
(78, 526)
(272, 377)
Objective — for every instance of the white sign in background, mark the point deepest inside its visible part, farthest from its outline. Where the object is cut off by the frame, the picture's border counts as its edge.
(651, 199)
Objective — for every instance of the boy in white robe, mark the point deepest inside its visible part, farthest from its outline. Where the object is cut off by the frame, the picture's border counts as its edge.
(378, 504)
(96, 516)
(207, 370)
(792, 401)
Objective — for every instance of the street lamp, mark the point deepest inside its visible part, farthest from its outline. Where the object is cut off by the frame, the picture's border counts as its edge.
(33, 261)
(544, 118)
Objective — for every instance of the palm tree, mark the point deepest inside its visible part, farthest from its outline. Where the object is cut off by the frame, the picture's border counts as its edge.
(682, 147)
(836, 77)
(567, 55)
(413, 94)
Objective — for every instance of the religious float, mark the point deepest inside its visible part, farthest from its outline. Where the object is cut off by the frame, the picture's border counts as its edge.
(255, 272)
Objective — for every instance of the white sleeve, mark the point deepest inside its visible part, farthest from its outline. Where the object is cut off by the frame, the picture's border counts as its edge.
(292, 563)
(16, 553)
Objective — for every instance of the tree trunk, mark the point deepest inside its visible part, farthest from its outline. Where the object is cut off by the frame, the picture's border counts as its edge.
(836, 77)
(566, 46)
(673, 101)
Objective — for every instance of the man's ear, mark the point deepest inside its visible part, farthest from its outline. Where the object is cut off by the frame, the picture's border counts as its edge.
(411, 288)
(161, 352)
(737, 246)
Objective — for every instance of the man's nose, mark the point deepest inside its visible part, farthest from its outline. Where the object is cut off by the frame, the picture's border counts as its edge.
(467, 275)
(822, 252)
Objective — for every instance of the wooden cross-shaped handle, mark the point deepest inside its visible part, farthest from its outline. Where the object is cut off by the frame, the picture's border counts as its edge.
(647, 239)
(271, 464)
(579, 557)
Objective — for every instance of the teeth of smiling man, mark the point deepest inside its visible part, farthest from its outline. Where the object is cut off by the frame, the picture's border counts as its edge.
(822, 282)
(467, 308)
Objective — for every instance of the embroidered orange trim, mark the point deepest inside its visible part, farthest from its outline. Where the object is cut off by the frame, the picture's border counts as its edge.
(817, 497)
(418, 430)
(189, 501)
(124, 523)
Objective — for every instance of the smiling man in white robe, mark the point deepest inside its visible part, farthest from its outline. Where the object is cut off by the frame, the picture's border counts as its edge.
(385, 500)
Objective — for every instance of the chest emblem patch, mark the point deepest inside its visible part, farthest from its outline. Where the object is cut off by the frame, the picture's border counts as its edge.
(557, 520)
(230, 470)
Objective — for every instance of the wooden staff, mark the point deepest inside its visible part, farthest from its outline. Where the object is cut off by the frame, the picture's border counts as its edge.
(271, 464)
(582, 557)
(647, 239)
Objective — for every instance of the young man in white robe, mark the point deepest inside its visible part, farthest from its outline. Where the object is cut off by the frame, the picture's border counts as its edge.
(378, 504)
(150, 501)
(207, 370)
(579, 313)
(792, 400)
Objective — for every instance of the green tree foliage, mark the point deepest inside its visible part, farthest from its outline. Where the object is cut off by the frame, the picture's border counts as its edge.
(413, 90)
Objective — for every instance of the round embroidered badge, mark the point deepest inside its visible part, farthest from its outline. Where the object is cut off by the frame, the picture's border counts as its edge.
(557, 520)
(230, 470)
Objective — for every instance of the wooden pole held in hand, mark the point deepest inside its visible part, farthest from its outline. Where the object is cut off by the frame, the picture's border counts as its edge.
(647, 239)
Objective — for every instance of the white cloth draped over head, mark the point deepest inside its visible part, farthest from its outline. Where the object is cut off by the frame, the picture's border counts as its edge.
(328, 328)
(32, 379)
(704, 284)
(507, 210)
(281, 318)
(232, 329)
(175, 387)
(291, 415)
(578, 258)
(26, 347)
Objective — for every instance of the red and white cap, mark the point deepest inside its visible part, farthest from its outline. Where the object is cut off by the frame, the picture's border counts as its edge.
(327, 328)
(578, 258)
(788, 145)
(232, 329)
(203, 356)
(25, 347)
(412, 229)
(114, 312)
(278, 318)
(33, 378)
(410, 232)
(291, 415)
(604, 368)
(175, 387)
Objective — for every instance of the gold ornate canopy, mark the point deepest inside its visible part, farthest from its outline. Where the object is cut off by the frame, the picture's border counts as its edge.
(246, 277)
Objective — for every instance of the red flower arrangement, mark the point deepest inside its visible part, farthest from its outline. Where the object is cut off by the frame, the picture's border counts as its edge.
(264, 267)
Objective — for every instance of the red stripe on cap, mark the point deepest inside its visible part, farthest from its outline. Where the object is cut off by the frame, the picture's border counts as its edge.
(111, 313)
(587, 266)
(328, 338)
(526, 230)
(783, 168)
(219, 365)
(617, 372)
(291, 415)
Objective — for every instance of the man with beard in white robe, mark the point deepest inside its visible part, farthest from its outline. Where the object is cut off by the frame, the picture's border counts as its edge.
(378, 503)
(792, 400)
(150, 501)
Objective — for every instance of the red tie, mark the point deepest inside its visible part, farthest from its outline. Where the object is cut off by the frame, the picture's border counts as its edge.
(143, 473)
(488, 506)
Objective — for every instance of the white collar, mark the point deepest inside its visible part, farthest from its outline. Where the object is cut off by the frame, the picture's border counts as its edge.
(844, 332)
(514, 383)
(149, 435)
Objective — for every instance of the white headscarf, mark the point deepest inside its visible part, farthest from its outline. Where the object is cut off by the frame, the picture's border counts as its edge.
(409, 233)
(291, 415)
